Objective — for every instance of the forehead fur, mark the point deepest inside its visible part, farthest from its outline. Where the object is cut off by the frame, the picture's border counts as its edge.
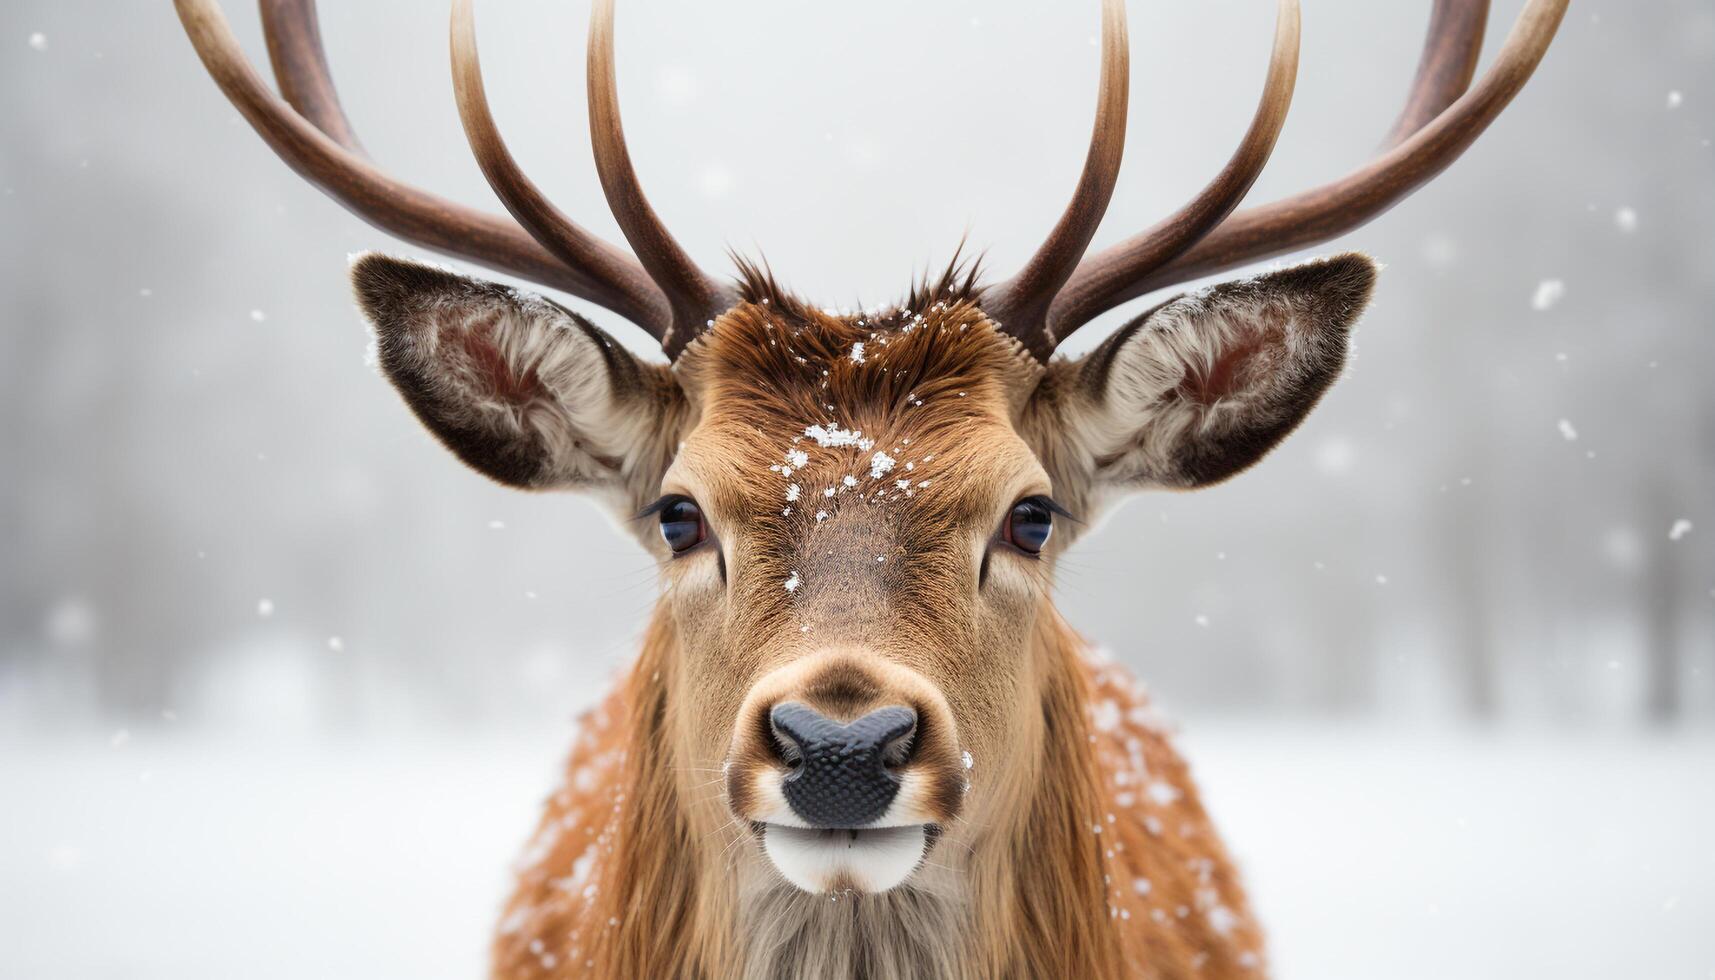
(911, 381)
(810, 419)
(787, 358)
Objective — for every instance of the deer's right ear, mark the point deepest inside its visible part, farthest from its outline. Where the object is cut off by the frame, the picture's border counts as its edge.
(523, 390)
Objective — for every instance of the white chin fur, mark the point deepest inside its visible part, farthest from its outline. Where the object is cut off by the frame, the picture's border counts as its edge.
(870, 861)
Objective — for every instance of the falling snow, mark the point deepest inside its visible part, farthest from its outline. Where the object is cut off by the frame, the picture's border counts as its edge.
(38, 41)
(1548, 293)
(1680, 529)
(1567, 431)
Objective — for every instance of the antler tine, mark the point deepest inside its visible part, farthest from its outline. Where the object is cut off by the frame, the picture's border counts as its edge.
(351, 179)
(1178, 232)
(300, 63)
(1451, 49)
(1333, 209)
(694, 297)
(1021, 303)
(546, 223)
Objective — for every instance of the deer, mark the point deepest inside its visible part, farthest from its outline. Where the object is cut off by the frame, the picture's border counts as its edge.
(858, 740)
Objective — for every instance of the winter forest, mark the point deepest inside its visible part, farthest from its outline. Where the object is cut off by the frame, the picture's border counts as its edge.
(1445, 661)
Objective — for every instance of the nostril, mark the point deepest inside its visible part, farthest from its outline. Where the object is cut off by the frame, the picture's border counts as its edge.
(787, 748)
(898, 751)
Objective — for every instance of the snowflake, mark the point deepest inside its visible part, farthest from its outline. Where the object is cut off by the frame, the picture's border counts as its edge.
(831, 436)
(1548, 293)
(1162, 793)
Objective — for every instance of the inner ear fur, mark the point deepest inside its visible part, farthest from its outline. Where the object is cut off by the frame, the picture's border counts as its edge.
(521, 389)
(1204, 385)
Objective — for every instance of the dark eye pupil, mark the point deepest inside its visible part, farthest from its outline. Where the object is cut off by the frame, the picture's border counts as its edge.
(1029, 525)
(681, 525)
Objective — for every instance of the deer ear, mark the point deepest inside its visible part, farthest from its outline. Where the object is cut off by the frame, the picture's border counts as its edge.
(1204, 385)
(523, 390)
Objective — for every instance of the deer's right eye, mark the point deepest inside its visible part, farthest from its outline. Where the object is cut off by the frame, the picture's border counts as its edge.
(682, 524)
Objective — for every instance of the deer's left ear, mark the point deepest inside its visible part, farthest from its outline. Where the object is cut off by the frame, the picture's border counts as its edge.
(1204, 385)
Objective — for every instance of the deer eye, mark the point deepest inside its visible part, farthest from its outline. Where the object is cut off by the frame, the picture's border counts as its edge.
(1029, 525)
(682, 524)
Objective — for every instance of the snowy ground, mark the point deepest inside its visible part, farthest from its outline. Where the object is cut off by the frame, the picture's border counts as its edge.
(1371, 853)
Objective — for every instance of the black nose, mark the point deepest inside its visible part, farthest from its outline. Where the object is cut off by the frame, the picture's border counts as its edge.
(842, 774)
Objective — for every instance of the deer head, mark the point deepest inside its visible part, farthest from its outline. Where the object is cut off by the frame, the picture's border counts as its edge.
(857, 516)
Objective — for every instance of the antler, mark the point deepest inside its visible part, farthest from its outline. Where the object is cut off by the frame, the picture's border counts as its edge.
(1056, 292)
(557, 233)
(1441, 121)
(1029, 320)
(664, 294)
(1021, 303)
(695, 297)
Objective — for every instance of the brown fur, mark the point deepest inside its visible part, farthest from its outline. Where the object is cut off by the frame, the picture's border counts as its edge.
(854, 474)
(1056, 899)
(639, 868)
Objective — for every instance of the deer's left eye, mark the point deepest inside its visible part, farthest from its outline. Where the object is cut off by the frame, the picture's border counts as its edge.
(1029, 525)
